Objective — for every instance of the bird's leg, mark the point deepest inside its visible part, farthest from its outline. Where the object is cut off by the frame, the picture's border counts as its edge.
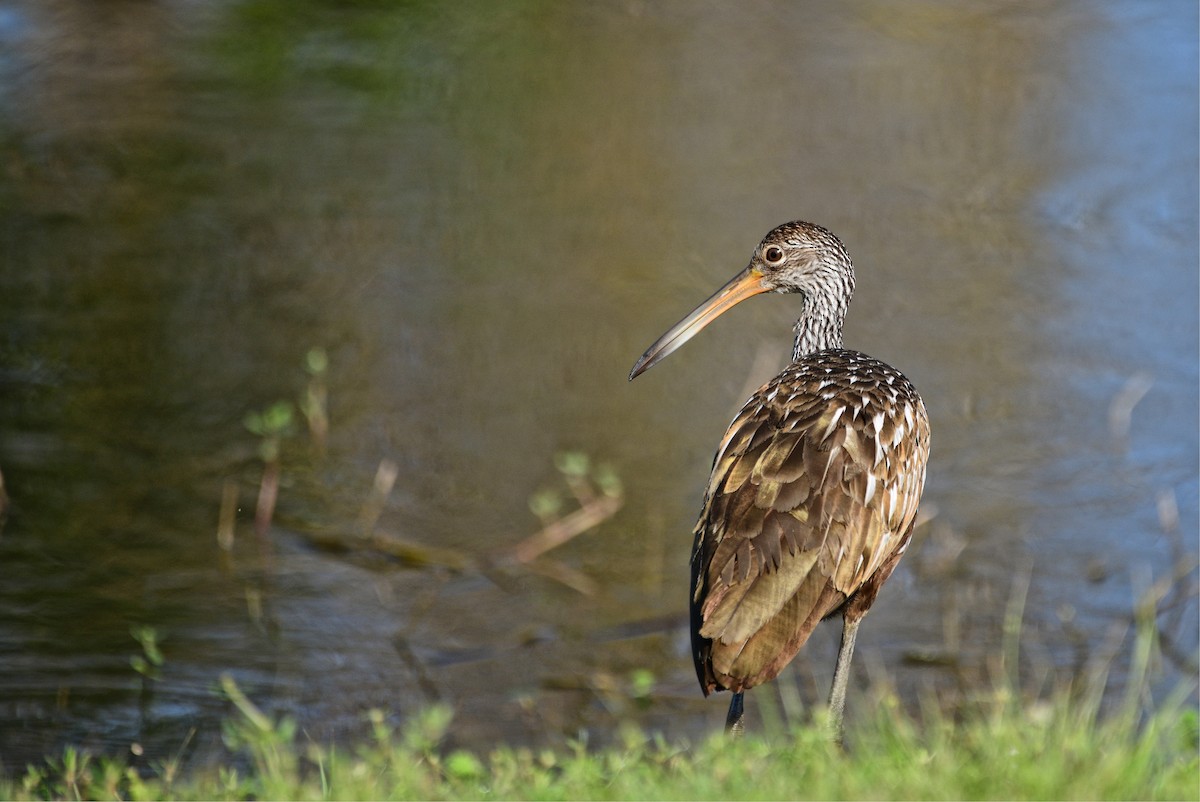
(841, 677)
(735, 723)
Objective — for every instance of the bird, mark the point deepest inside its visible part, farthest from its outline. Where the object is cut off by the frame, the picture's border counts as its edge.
(814, 487)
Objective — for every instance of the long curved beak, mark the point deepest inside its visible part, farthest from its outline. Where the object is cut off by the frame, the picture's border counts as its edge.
(744, 285)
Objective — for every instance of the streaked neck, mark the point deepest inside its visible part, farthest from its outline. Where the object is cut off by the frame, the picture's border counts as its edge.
(820, 325)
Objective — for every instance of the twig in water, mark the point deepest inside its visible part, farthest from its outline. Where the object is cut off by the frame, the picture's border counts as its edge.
(385, 480)
(566, 528)
(268, 494)
(227, 518)
(1120, 409)
(3, 498)
(315, 401)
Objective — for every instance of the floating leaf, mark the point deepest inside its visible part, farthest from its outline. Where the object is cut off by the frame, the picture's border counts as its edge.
(641, 682)
(316, 361)
(605, 477)
(546, 503)
(572, 463)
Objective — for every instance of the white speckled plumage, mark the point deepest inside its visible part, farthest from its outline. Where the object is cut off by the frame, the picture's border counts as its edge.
(815, 485)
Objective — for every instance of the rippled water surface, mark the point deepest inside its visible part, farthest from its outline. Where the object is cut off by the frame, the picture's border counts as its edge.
(483, 214)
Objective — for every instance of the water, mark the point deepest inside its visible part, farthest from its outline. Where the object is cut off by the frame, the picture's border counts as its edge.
(483, 215)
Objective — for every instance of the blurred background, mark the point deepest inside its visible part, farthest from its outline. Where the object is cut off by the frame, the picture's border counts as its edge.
(391, 262)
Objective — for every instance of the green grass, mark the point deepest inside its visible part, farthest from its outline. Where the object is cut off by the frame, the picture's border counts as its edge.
(1000, 748)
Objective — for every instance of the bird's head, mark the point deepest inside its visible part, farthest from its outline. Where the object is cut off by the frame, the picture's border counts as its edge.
(794, 257)
(800, 257)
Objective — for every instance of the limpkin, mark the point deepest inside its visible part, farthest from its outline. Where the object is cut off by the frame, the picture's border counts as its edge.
(814, 487)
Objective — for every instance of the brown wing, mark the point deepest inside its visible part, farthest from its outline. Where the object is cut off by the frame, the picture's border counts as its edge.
(813, 489)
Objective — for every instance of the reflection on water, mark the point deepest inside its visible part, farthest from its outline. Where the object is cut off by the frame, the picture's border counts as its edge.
(484, 214)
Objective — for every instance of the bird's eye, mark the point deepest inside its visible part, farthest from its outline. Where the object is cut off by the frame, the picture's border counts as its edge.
(773, 254)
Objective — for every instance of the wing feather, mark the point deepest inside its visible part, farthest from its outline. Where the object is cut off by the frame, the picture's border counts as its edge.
(813, 489)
